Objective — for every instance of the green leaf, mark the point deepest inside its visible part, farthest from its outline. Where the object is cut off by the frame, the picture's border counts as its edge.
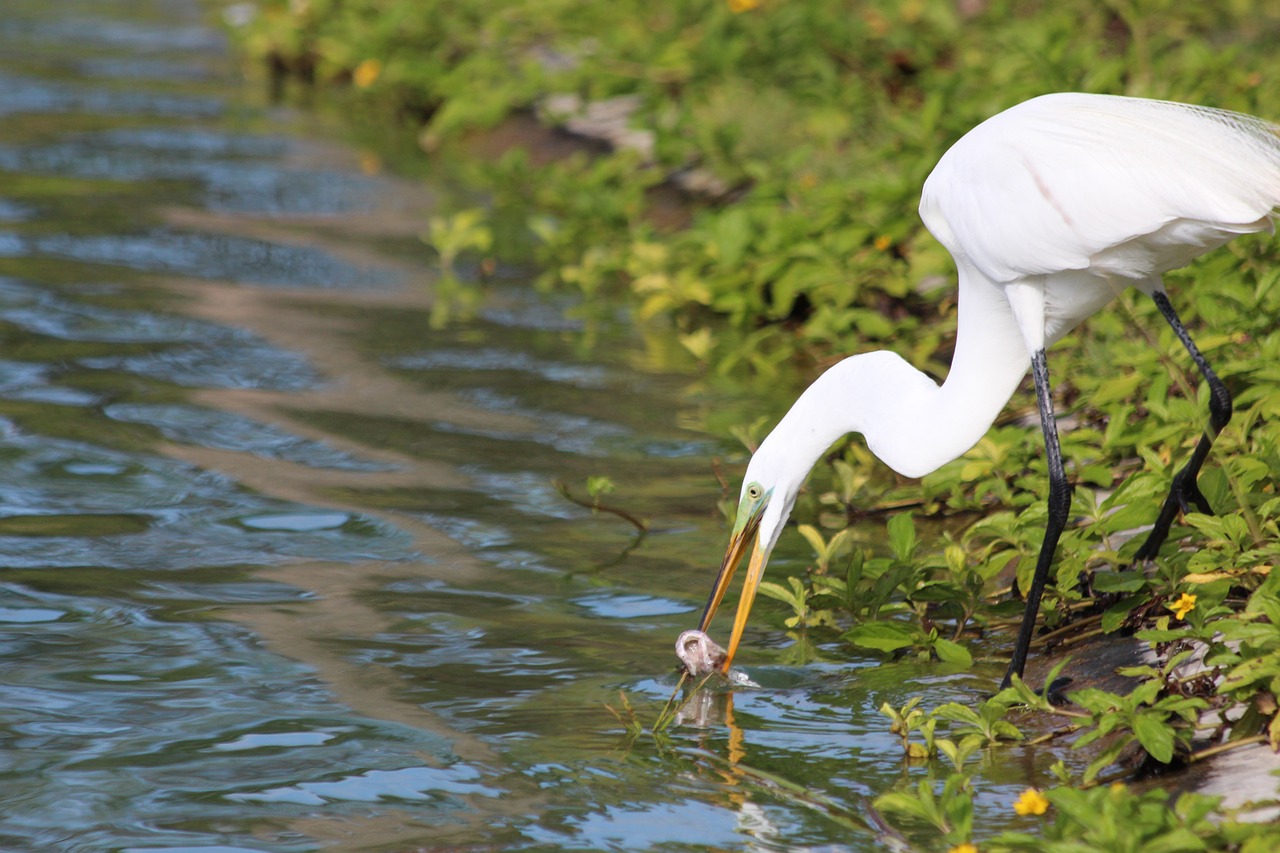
(1155, 735)
(902, 536)
(1255, 669)
(904, 804)
(882, 636)
(779, 592)
(884, 587)
(1179, 840)
(813, 537)
(1155, 635)
(597, 486)
(1005, 730)
(1094, 700)
(949, 652)
(1105, 759)
(1115, 615)
(957, 713)
(1119, 581)
(857, 559)
(1116, 389)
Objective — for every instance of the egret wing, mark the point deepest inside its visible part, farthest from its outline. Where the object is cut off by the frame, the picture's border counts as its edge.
(1113, 185)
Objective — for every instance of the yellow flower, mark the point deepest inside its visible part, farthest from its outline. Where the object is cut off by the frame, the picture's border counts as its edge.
(737, 7)
(883, 242)
(1184, 605)
(1031, 801)
(963, 848)
(366, 73)
(370, 163)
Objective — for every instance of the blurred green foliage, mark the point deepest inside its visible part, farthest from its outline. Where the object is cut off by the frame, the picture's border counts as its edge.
(821, 118)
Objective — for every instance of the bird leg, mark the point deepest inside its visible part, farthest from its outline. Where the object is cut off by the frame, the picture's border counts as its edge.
(1184, 494)
(1059, 508)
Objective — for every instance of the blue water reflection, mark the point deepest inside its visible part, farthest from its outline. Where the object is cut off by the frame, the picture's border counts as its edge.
(282, 565)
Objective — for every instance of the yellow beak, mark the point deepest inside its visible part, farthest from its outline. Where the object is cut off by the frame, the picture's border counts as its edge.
(743, 534)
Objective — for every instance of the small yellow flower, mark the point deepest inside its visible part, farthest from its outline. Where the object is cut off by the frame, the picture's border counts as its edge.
(963, 848)
(1184, 605)
(877, 23)
(883, 242)
(737, 7)
(1031, 801)
(366, 73)
(370, 163)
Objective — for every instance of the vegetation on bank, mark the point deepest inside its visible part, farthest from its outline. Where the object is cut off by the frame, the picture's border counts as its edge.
(810, 126)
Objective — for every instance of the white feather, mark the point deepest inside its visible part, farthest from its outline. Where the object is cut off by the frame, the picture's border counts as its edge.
(1117, 186)
(1050, 209)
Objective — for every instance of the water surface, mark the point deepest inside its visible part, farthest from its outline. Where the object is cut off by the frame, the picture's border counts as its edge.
(282, 568)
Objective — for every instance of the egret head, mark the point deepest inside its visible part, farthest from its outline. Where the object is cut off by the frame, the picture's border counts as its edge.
(832, 406)
(769, 491)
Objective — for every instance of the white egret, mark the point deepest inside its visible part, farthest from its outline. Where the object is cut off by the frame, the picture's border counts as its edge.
(1049, 210)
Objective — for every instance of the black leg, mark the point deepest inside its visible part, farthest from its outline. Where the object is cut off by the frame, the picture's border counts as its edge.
(1059, 508)
(1184, 494)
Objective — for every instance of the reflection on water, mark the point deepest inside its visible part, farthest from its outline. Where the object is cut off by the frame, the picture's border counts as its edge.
(282, 569)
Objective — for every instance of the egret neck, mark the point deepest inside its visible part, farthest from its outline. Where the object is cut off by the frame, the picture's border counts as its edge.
(909, 422)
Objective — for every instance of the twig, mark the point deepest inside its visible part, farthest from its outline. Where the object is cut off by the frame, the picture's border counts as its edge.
(1211, 751)
(1075, 638)
(718, 473)
(595, 505)
(1053, 735)
(1050, 636)
(664, 719)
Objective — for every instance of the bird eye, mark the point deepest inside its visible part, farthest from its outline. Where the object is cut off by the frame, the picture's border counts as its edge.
(754, 491)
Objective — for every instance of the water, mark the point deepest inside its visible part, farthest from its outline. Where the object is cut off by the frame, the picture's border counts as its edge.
(283, 569)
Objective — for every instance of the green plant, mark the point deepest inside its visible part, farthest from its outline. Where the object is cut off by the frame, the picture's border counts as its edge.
(450, 236)
(948, 810)
(1117, 818)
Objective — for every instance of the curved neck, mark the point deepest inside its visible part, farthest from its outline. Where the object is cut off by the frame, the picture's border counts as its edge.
(912, 424)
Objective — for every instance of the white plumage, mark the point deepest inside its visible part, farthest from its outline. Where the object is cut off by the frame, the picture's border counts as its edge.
(1119, 187)
(1050, 209)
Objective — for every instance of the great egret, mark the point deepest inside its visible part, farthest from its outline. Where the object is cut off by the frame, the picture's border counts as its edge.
(1049, 210)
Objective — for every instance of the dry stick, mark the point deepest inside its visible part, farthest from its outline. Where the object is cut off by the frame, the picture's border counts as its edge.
(1086, 635)
(594, 505)
(663, 718)
(1193, 757)
(1050, 636)
(718, 473)
(1053, 735)
(1211, 751)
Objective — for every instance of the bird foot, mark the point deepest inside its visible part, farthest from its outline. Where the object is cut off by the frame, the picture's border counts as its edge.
(1184, 497)
(1189, 497)
(1054, 692)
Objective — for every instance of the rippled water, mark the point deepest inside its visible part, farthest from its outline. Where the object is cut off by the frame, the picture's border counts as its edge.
(283, 569)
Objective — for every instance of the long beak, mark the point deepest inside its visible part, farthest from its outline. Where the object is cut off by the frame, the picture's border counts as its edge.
(755, 569)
